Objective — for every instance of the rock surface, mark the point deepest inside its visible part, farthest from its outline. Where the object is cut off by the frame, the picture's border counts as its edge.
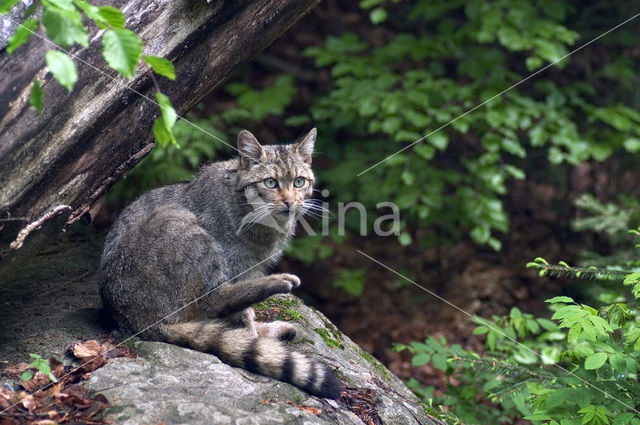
(49, 300)
(175, 385)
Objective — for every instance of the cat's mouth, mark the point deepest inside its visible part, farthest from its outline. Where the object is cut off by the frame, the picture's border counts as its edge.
(288, 212)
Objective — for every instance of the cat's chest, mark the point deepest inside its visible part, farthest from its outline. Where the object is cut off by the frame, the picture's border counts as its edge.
(246, 261)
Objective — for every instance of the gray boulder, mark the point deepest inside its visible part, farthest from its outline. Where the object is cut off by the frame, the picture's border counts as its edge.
(175, 385)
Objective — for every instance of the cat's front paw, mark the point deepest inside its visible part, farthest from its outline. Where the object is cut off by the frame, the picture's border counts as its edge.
(288, 281)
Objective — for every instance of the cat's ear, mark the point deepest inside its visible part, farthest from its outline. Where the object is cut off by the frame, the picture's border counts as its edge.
(305, 147)
(249, 148)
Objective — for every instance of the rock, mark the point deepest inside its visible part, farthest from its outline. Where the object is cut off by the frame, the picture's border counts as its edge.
(49, 301)
(175, 385)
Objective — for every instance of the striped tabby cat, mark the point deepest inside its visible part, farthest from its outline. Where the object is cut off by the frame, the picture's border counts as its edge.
(218, 233)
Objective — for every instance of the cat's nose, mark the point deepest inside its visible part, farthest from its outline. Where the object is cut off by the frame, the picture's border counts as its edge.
(288, 202)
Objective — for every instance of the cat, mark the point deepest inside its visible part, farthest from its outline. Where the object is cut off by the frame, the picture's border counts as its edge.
(218, 233)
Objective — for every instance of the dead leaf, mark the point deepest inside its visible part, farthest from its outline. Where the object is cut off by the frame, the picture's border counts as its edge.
(308, 409)
(57, 368)
(84, 350)
(29, 403)
(122, 351)
(63, 401)
(77, 391)
(17, 369)
(38, 381)
(90, 365)
(101, 398)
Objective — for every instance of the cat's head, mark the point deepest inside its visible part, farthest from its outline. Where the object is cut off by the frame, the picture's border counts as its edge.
(276, 179)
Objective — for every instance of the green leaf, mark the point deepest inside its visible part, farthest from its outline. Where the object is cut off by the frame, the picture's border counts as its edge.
(91, 11)
(62, 68)
(297, 120)
(64, 26)
(405, 239)
(163, 125)
(112, 16)
(425, 151)
(168, 113)
(595, 361)
(440, 362)
(618, 362)
(6, 5)
(35, 99)
(368, 4)
(623, 419)
(161, 66)
(121, 49)
(378, 15)
(104, 16)
(632, 145)
(26, 375)
(22, 34)
(439, 140)
(421, 359)
(595, 415)
(559, 299)
(352, 281)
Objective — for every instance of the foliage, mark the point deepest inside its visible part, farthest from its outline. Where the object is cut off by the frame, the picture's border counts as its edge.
(195, 140)
(447, 58)
(578, 367)
(352, 281)
(63, 23)
(174, 163)
(253, 105)
(42, 365)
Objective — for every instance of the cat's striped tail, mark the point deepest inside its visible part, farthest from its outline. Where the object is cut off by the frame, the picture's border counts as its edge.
(266, 356)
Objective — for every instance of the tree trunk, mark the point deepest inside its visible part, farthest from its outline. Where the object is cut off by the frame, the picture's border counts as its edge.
(62, 161)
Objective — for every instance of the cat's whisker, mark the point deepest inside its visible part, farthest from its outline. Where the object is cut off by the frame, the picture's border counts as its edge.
(315, 207)
(314, 213)
(254, 217)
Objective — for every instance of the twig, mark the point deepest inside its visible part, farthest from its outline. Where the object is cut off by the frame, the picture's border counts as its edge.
(22, 235)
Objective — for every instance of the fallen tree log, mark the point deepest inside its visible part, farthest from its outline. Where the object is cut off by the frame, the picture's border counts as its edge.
(60, 162)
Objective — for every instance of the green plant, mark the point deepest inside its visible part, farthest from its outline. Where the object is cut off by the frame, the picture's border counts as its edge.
(42, 365)
(199, 139)
(351, 281)
(447, 58)
(63, 23)
(598, 351)
(578, 367)
(174, 163)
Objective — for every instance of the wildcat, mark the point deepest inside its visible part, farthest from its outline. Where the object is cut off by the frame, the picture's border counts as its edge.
(177, 243)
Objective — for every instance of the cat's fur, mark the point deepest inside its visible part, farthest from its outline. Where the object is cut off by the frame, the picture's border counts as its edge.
(178, 242)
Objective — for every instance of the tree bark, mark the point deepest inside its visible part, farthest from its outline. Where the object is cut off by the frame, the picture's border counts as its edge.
(65, 159)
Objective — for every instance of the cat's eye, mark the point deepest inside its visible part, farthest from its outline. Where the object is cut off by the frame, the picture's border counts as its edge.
(271, 183)
(299, 181)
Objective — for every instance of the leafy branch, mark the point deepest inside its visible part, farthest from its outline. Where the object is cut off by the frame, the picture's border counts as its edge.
(563, 270)
(62, 21)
